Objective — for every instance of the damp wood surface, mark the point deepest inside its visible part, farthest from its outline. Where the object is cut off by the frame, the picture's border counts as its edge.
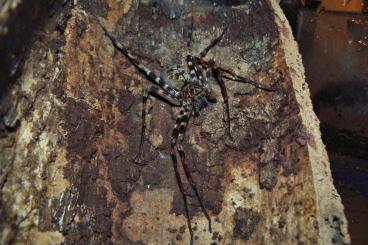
(71, 122)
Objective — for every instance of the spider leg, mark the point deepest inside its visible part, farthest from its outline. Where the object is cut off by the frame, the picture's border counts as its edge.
(181, 187)
(191, 181)
(178, 134)
(216, 72)
(152, 91)
(231, 75)
(196, 71)
(150, 75)
(174, 139)
(219, 74)
(190, 32)
(225, 96)
(212, 44)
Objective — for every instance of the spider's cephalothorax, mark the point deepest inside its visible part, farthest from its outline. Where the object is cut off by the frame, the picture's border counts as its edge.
(192, 92)
(194, 95)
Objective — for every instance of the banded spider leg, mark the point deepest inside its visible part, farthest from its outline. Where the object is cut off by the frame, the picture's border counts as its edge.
(220, 73)
(163, 95)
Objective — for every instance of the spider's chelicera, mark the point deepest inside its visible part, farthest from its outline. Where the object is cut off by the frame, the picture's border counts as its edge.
(194, 95)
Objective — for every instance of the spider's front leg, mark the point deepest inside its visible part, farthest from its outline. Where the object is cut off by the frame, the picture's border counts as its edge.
(211, 67)
(220, 73)
(195, 63)
(160, 93)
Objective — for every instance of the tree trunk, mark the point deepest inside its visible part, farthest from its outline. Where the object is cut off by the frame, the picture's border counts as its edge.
(71, 123)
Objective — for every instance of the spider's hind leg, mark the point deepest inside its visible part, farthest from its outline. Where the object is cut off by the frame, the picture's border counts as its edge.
(180, 125)
(158, 92)
(191, 182)
(177, 137)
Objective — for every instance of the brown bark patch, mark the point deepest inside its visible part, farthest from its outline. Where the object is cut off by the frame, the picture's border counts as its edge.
(246, 221)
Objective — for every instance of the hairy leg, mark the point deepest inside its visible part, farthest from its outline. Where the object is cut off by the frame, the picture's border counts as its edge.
(231, 75)
(191, 182)
(148, 73)
(181, 133)
(225, 97)
(181, 188)
(212, 44)
(219, 73)
(152, 91)
(181, 119)
(196, 71)
(178, 135)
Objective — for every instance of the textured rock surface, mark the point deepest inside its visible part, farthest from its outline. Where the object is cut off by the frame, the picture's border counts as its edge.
(71, 124)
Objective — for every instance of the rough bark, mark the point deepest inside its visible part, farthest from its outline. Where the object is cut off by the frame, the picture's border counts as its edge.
(71, 127)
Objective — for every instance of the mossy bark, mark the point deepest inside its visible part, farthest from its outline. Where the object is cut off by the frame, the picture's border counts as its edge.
(71, 126)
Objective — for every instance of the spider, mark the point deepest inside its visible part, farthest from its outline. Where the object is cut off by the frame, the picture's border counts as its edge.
(194, 95)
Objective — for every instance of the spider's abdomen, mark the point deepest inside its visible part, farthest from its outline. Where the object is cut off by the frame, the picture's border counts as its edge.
(191, 91)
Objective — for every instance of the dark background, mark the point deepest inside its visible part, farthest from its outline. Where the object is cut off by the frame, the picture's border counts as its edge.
(334, 48)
